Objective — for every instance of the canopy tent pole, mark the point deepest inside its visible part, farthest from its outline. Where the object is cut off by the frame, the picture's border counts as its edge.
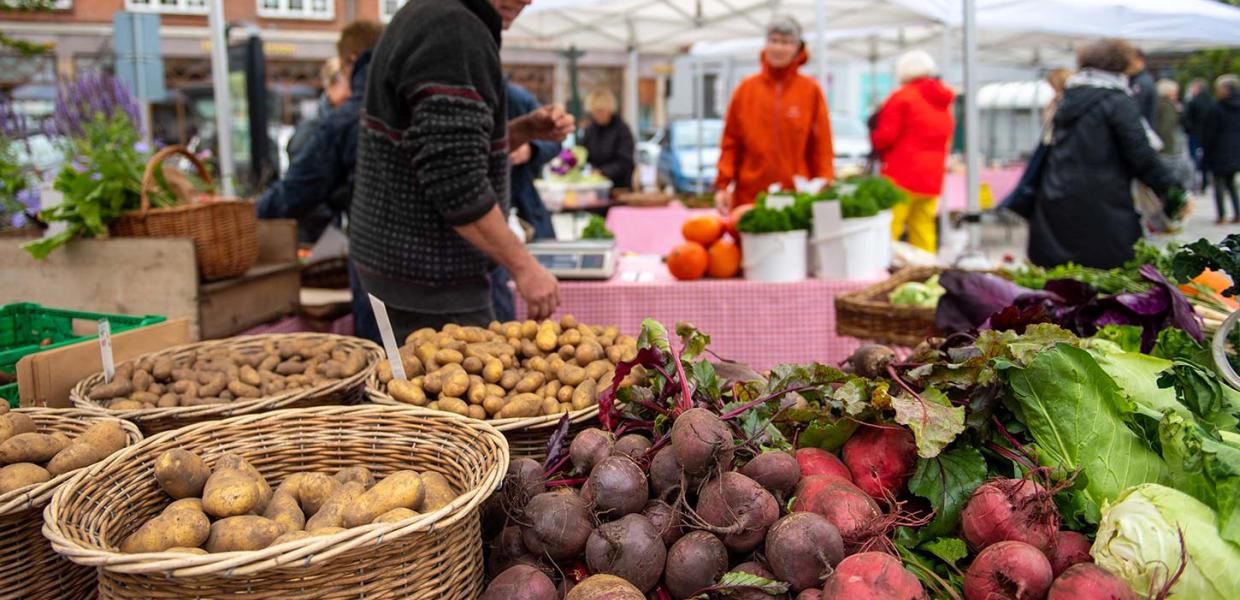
(945, 66)
(820, 44)
(631, 95)
(223, 101)
(971, 134)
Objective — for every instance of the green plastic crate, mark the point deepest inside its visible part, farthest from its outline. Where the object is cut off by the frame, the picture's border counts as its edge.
(25, 327)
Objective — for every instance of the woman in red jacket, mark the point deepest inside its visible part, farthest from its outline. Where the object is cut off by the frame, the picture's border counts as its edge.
(912, 134)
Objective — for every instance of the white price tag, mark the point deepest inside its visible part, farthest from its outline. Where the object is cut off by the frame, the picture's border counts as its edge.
(105, 350)
(780, 201)
(389, 338)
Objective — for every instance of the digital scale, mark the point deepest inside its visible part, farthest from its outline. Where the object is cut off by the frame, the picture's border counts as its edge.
(583, 259)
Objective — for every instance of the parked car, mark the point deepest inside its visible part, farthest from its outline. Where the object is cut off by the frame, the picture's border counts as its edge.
(688, 153)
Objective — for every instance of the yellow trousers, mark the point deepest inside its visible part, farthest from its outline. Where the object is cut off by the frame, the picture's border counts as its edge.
(918, 215)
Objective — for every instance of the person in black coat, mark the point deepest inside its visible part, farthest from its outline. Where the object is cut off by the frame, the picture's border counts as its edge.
(1084, 211)
(1200, 101)
(1220, 140)
(608, 141)
(1143, 86)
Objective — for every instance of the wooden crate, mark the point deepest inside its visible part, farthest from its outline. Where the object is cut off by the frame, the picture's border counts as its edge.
(158, 276)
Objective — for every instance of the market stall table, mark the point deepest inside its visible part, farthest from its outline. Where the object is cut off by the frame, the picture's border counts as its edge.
(760, 324)
(650, 230)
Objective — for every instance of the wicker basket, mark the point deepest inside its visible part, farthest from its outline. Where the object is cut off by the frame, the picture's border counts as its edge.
(867, 314)
(225, 232)
(29, 568)
(436, 555)
(527, 437)
(155, 420)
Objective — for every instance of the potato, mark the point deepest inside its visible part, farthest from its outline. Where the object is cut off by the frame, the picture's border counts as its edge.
(360, 475)
(454, 405)
(14, 423)
(234, 461)
(529, 349)
(477, 393)
(331, 514)
(231, 492)
(433, 382)
(119, 388)
(565, 394)
(522, 405)
(402, 489)
(584, 395)
(530, 382)
(493, 404)
(395, 515)
(217, 384)
(472, 365)
(315, 490)
(439, 492)
(420, 335)
(510, 379)
(185, 550)
(284, 510)
(291, 536)
(174, 529)
(446, 356)
(184, 504)
(405, 391)
(552, 388)
(242, 533)
(169, 400)
(596, 369)
(31, 447)
(566, 352)
(94, 445)
(269, 364)
(141, 380)
(455, 385)
(477, 412)
(180, 473)
(161, 368)
(291, 366)
(589, 351)
(550, 405)
(243, 390)
(571, 375)
(426, 353)
(492, 371)
(20, 475)
(529, 329)
(144, 397)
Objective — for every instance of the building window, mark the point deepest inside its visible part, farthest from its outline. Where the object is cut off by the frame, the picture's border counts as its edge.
(324, 10)
(194, 7)
(55, 4)
(388, 8)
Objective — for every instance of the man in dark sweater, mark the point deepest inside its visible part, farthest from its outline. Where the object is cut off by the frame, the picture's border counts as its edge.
(431, 195)
(1200, 102)
(1143, 88)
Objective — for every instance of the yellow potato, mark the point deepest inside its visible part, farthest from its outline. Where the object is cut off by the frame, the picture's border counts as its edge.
(360, 475)
(477, 412)
(315, 490)
(285, 512)
(184, 550)
(185, 504)
(493, 404)
(565, 394)
(433, 382)
(589, 351)
(550, 405)
(242, 533)
(405, 391)
(529, 329)
(456, 385)
(510, 379)
(178, 528)
(233, 461)
(521, 405)
(584, 395)
(492, 370)
(95, 444)
(180, 473)
(231, 492)
(330, 515)
(20, 475)
(454, 405)
(13, 423)
(472, 365)
(402, 489)
(530, 382)
(31, 447)
(395, 515)
(571, 374)
(566, 352)
(477, 393)
(446, 356)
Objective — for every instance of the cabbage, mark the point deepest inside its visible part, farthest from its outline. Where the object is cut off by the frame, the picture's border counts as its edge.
(1139, 541)
(914, 293)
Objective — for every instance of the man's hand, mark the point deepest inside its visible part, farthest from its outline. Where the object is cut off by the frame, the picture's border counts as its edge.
(549, 123)
(723, 201)
(521, 155)
(540, 290)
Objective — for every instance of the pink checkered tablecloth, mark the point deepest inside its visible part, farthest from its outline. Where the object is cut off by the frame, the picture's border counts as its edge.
(1001, 181)
(650, 230)
(759, 324)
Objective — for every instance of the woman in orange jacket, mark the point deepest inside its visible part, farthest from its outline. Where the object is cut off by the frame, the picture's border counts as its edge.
(777, 125)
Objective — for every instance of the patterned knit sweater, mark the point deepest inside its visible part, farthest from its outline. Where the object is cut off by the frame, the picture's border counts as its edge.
(432, 153)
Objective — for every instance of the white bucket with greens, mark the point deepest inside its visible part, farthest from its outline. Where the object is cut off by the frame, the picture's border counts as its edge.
(774, 257)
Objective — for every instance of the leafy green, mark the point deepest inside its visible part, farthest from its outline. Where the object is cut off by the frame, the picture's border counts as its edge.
(695, 342)
(735, 581)
(596, 229)
(1076, 414)
(935, 422)
(1206, 467)
(949, 550)
(765, 220)
(1126, 337)
(1200, 255)
(947, 481)
(653, 334)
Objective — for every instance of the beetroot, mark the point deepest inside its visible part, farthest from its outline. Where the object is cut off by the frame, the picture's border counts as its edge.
(526, 475)
(740, 506)
(523, 480)
(589, 447)
(816, 461)
(632, 445)
(810, 594)
(870, 361)
(702, 441)
(1010, 509)
(802, 548)
(1070, 548)
(521, 582)
(848, 508)
(872, 575)
(695, 561)
(881, 459)
(753, 568)
(665, 472)
(1086, 581)
(665, 519)
(1008, 570)
(559, 524)
(776, 471)
(616, 487)
(630, 549)
(507, 550)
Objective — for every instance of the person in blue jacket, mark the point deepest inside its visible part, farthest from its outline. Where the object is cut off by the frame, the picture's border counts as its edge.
(527, 165)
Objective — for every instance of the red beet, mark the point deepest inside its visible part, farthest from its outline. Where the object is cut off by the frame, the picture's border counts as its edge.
(872, 575)
(776, 471)
(1070, 548)
(559, 525)
(665, 472)
(848, 508)
(665, 519)
(816, 461)
(521, 582)
(589, 447)
(1008, 571)
(1087, 581)
(754, 568)
(738, 504)
(632, 445)
(702, 441)
(694, 562)
(629, 548)
(616, 487)
(507, 550)
(802, 548)
(881, 459)
(810, 594)
(1010, 509)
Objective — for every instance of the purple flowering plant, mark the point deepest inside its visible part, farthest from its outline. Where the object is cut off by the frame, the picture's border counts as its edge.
(14, 179)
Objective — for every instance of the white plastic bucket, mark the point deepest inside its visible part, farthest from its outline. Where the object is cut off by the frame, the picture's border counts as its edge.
(774, 257)
(861, 249)
(827, 218)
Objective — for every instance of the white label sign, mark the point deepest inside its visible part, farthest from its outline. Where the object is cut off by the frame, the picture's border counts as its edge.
(780, 201)
(389, 338)
(105, 350)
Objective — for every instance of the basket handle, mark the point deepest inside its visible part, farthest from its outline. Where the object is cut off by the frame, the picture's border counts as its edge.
(157, 159)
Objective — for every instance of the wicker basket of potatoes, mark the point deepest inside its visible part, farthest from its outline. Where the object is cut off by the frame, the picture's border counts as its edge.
(522, 377)
(328, 502)
(213, 380)
(41, 448)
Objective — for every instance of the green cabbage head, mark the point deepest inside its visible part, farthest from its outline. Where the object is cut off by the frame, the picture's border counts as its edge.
(1138, 540)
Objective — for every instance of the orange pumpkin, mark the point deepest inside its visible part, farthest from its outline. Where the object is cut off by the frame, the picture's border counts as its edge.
(735, 218)
(704, 229)
(688, 261)
(725, 259)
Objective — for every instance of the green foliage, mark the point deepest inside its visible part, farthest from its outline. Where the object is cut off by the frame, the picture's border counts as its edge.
(947, 481)
(1200, 255)
(25, 47)
(765, 220)
(596, 229)
(12, 177)
(935, 422)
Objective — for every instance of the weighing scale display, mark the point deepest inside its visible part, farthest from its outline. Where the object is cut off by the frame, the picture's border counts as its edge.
(561, 261)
